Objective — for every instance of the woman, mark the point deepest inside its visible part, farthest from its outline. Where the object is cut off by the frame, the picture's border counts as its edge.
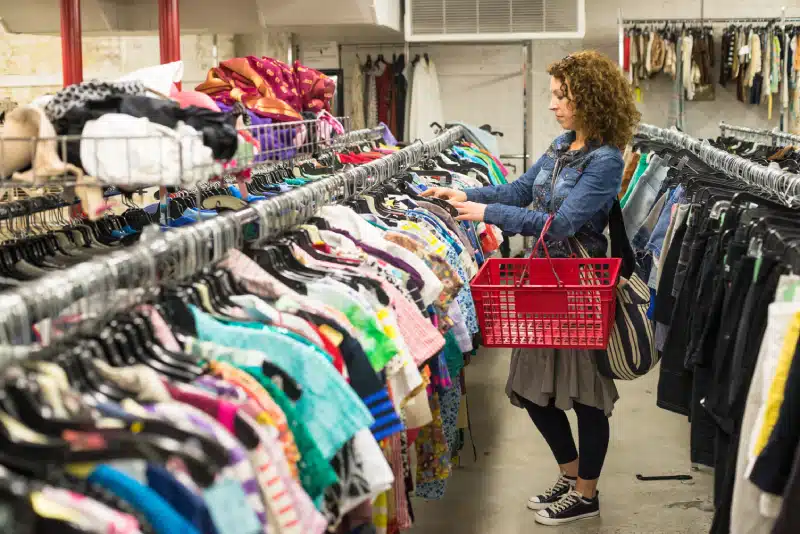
(577, 180)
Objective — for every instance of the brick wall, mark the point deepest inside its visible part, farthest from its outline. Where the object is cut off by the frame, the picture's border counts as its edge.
(30, 65)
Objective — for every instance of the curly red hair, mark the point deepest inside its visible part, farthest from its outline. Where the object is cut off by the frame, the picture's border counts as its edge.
(604, 106)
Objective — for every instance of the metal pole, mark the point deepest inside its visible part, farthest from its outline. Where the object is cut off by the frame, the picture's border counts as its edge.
(71, 53)
(621, 36)
(169, 31)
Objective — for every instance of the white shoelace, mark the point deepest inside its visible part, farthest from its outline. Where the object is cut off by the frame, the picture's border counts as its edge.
(557, 487)
(566, 502)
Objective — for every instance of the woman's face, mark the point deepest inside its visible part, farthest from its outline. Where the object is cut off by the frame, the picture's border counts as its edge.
(561, 104)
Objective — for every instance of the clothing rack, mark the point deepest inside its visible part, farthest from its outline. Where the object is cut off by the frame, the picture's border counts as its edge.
(743, 133)
(178, 254)
(780, 183)
(622, 23)
(38, 204)
(713, 20)
(282, 141)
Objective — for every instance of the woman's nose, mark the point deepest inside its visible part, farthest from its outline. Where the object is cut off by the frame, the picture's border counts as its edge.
(553, 105)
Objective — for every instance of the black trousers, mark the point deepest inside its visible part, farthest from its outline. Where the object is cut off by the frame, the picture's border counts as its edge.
(593, 435)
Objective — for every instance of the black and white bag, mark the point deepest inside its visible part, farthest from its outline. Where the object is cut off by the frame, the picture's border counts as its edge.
(631, 350)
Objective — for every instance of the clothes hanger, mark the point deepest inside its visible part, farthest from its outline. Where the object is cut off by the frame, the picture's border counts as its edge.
(22, 392)
(34, 453)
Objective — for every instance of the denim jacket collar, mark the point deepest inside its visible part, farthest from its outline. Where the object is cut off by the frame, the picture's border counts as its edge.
(562, 142)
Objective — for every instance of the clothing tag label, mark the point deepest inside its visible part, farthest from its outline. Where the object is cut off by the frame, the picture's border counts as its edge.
(229, 510)
(743, 51)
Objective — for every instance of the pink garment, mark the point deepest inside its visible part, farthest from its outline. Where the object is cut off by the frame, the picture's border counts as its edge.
(103, 518)
(423, 339)
(161, 328)
(195, 98)
(259, 282)
(327, 126)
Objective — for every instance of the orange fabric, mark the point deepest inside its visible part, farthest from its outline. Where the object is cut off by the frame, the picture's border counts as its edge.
(269, 88)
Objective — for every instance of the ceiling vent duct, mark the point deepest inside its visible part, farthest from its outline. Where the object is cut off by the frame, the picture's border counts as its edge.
(493, 20)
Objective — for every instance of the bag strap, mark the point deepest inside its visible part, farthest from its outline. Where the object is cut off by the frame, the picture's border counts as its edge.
(620, 246)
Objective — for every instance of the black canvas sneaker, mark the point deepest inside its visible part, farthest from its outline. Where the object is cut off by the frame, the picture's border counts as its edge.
(572, 507)
(562, 486)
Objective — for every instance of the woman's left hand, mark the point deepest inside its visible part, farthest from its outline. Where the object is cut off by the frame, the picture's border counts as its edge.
(469, 211)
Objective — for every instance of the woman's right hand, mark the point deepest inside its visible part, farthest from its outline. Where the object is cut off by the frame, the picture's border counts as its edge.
(445, 193)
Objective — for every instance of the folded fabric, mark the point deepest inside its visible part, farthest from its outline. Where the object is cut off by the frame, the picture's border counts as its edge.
(194, 98)
(269, 88)
(158, 78)
(120, 149)
(275, 143)
(218, 129)
(80, 94)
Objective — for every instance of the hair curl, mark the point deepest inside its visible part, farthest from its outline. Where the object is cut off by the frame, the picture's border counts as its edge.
(604, 107)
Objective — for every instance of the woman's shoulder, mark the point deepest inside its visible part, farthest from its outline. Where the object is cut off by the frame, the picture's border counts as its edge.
(606, 153)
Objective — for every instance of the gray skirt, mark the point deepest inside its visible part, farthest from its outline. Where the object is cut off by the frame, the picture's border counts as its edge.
(565, 375)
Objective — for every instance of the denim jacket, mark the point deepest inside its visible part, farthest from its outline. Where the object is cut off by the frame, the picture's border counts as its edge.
(581, 196)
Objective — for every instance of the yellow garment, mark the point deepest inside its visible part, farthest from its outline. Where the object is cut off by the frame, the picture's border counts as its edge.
(380, 512)
(778, 386)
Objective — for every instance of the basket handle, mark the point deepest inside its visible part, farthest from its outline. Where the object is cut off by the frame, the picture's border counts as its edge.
(541, 242)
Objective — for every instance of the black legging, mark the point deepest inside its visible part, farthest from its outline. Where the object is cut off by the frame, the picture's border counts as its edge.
(593, 435)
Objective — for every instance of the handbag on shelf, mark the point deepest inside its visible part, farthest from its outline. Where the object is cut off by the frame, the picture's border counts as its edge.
(631, 350)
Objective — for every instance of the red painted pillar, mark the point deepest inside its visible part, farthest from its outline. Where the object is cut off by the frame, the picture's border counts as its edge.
(169, 30)
(71, 53)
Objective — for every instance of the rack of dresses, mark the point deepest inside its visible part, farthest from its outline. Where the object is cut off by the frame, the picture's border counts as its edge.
(267, 370)
(716, 237)
(758, 55)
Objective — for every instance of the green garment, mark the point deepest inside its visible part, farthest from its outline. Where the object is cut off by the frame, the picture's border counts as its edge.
(640, 168)
(315, 473)
(495, 174)
(453, 355)
(379, 348)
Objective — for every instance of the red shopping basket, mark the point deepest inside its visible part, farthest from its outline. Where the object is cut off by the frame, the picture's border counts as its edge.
(546, 302)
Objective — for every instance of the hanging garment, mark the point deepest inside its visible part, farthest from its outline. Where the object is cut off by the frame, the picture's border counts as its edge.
(401, 95)
(355, 100)
(426, 101)
(687, 65)
(370, 96)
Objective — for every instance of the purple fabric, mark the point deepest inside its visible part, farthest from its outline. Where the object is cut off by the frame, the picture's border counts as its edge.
(276, 143)
(388, 137)
(385, 256)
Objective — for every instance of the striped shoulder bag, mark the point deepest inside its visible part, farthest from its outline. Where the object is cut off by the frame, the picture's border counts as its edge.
(631, 350)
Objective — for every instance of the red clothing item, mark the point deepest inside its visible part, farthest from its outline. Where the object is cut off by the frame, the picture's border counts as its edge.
(626, 55)
(332, 349)
(384, 85)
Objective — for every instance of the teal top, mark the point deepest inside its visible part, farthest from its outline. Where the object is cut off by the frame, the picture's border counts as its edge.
(329, 407)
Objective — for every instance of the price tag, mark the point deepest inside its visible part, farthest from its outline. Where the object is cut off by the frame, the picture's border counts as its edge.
(227, 504)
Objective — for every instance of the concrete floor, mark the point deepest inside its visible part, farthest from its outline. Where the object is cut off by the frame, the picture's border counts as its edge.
(514, 462)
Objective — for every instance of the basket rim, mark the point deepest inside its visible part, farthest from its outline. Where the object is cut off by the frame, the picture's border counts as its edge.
(615, 265)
